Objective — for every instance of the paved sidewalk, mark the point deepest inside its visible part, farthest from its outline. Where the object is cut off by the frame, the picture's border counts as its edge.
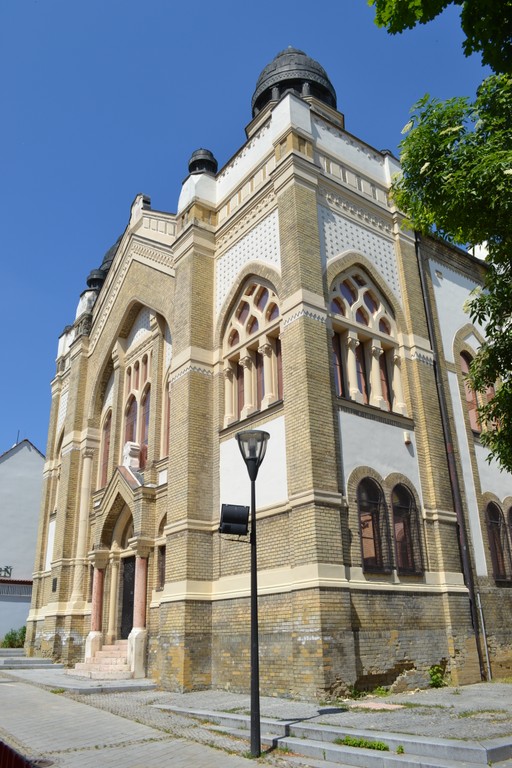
(69, 734)
(137, 726)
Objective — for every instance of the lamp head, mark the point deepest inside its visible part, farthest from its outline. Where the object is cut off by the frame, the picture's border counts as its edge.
(252, 444)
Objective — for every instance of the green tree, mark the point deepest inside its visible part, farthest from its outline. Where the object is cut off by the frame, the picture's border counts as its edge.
(457, 181)
(487, 24)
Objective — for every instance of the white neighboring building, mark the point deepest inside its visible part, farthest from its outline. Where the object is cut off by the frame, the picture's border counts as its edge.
(21, 478)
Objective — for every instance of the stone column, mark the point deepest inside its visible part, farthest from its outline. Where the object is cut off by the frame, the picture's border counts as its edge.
(229, 415)
(93, 642)
(266, 352)
(376, 397)
(247, 364)
(137, 638)
(353, 389)
(113, 598)
(399, 405)
(139, 598)
(81, 562)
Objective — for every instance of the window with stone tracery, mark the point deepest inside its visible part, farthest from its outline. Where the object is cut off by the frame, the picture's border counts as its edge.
(252, 353)
(365, 352)
(137, 408)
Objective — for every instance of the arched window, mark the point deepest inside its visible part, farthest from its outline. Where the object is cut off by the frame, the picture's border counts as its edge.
(106, 433)
(130, 421)
(252, 353)
(373, 526)
(406, 531)
(365, 346)
(498, 543)
(166, 432)
(144, 427)
(471, 401)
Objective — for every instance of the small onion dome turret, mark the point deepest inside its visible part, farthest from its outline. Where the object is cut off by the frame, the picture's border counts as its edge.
(202, 161)
(292, 70)
(96, 279)
(109, 257)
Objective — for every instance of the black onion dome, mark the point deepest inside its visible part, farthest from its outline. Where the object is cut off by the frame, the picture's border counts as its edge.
(109, 256)
(292, 70)
(96, 279)
(202, 161)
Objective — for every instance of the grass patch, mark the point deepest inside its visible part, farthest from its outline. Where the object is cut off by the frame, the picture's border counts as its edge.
(356, 741)
(57, 690)
(476, 712)
(380, 691)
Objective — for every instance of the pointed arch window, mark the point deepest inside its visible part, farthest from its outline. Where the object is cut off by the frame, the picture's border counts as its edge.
(408, 557)
(106, 434)
(130, 421)
(499, 544)
(470, 394)
(373, 527)
(252, 353)
(144, 427)
(365, 344)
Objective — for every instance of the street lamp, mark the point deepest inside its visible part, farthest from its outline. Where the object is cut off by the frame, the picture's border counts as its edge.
(253, 444)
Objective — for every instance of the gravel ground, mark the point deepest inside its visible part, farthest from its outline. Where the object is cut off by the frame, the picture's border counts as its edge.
(474, 712)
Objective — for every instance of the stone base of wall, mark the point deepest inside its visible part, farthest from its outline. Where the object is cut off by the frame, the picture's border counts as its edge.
(314, 642)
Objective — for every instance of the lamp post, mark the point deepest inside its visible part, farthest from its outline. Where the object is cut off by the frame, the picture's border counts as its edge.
(253, 444)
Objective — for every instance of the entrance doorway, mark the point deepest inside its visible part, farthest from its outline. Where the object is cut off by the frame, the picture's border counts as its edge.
(127, 593)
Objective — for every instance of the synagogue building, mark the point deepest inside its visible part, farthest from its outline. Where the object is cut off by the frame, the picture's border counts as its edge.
(283, 295)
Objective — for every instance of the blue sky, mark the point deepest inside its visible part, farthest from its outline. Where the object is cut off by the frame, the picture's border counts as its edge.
(103, 99)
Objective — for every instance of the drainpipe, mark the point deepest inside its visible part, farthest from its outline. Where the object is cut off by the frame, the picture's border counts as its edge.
(450, 457)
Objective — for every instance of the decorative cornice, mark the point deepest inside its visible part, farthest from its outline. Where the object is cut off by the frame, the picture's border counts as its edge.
(242, 224)
(191, 369)
(364, 149)
(227, 170)
(303, 312)
(357, 212)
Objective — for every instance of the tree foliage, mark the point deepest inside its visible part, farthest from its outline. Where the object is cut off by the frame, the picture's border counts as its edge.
(457, 180)
(487, 24)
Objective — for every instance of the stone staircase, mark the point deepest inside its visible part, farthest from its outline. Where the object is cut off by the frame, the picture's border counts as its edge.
(321, 743)
(110, 663)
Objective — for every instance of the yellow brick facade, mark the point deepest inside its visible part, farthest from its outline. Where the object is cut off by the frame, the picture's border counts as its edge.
(348, 597)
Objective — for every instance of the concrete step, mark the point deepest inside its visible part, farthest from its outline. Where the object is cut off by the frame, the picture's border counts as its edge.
(317, 741)
(96, 675)
(94, 666)
(12, 652)
(27, 663)
(107, 658)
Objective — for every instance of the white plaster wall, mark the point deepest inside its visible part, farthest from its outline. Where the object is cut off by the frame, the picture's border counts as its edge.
(260, 244)
(377, 445)
(467, 476)
(451, 290)
(271, 484)
(50, 541)
(21, 478)
(350, 150)
(339, 235)
(491, 479)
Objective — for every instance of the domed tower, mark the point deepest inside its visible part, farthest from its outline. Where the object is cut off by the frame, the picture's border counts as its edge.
(292, 70)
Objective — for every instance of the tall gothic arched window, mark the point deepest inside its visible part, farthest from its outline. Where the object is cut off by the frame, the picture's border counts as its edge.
(373, 526)
(106, 434)
(144, 427)
(364, 345)
(406, 536)
(130, 421)
(499, 544)
(252, 353)
(471, 399)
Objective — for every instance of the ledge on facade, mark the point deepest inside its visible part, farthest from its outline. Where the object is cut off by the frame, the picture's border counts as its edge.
(248, 421)
(376, 414)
